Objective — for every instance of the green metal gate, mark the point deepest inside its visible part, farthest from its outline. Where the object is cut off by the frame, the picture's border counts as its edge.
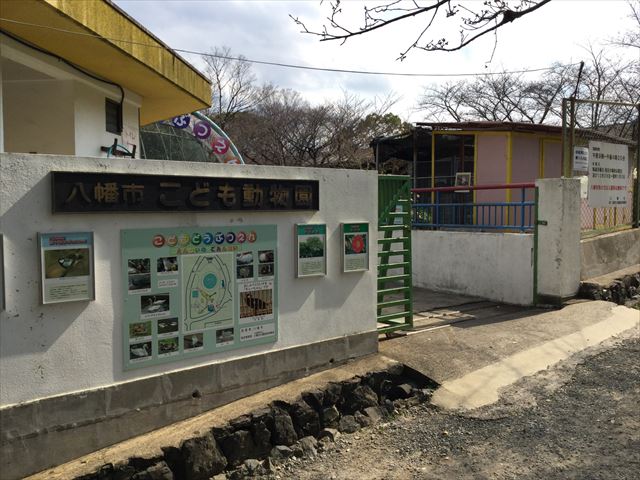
(395, 301)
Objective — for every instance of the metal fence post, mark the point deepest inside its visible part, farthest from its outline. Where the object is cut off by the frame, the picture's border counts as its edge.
(636, 186)
(565, 143)
(523, 199)
(437, 220)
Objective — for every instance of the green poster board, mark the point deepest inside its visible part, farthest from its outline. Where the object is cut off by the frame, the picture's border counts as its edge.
(311, 250)
(197, 291)
(355, 247)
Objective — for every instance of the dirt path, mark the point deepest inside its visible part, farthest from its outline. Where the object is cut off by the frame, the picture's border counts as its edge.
(569, 422)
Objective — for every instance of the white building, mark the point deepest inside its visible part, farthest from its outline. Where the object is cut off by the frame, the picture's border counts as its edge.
(69, 87)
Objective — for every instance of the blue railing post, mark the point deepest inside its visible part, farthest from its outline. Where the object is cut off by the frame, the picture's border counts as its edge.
(522, 210)
(437, 219)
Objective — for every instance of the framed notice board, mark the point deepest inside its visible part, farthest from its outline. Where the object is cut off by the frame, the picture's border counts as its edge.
(355, 247)
(311, 250)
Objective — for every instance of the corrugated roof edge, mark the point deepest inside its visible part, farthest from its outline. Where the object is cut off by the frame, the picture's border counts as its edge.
(501, 126)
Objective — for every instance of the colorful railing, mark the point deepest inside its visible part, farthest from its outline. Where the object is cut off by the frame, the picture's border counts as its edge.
(460, 208)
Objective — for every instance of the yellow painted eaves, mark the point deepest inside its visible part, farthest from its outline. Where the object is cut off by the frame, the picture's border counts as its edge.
(168, 85)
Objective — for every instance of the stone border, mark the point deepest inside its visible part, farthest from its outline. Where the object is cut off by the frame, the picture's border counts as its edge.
(620, 290)
(253, 443)
(55, 430)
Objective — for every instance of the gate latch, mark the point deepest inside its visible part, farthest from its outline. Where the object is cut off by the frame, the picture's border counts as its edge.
(542, 222)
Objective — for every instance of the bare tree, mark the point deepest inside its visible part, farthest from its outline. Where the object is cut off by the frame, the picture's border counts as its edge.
(514, 98)
(611, 79)
(503, 97)
(474, 20)
(630, 38)
(285, 129)
(233, 86)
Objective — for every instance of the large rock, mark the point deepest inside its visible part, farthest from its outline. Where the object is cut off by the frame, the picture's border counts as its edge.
(243, 422)
(159, 471)
(108, 471)
(331, 433)
(376, 380)
(283, 432)
(173, 458)
(348, 424)
(262, 430)
(305, 419)
(349, 385)
(309, 445)
(264, 415)
(253, 467)
(360, 398)
(330, 417)
(400, 391)
(315, 399)
(238, 447)
(202, 458)
(261, 438)
(376, 414)
(332, 394)
(279, 452)
(362, 419)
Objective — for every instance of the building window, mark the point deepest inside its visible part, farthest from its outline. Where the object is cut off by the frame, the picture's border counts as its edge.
(113, 115)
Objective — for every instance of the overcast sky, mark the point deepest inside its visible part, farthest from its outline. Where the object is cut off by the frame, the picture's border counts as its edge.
(262, 30)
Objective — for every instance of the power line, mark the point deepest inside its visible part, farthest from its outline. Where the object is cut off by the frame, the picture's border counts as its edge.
(286, 65)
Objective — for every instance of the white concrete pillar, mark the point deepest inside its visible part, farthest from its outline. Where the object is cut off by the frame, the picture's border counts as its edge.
(558, 239)
(1, 113)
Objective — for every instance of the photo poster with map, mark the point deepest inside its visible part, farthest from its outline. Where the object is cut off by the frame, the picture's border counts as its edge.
(355, 247)
(193, 291)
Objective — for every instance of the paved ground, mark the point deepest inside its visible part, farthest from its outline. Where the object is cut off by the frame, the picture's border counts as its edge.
(471, 336)
(567, 422)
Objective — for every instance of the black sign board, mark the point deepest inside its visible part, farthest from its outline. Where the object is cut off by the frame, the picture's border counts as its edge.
(78, 192)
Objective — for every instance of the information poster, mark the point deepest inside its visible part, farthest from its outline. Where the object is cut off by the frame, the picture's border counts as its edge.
(608, 174)
(66, 266)
(580, 159)
(355, 247)
(311, 250)
(197, 291)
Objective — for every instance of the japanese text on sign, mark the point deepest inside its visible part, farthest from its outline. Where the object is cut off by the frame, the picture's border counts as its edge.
(75, 192)
(608, 174)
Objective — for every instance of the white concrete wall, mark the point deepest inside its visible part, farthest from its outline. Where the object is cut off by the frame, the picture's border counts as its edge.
(90, 125)
(608, 253)
(496, 266)
(38, 116)
(50, 107)
(559, 239)
(56, 349)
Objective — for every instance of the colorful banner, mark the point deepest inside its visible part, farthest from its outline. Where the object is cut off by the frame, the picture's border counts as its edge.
(210, 135)
(197, 291)
(66, 267)
(355, 247)
(311, 250)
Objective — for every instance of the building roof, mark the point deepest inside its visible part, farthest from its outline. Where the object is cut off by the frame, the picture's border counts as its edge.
(604, 133)
(89, 34)
(494, 126)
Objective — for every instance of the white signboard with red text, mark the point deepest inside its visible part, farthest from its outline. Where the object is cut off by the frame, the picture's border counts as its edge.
(608, 174)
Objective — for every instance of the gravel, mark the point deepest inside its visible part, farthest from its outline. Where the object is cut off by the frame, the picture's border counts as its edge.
(573, 421)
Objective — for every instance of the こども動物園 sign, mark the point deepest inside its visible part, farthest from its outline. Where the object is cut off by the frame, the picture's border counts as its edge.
(78, 192)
